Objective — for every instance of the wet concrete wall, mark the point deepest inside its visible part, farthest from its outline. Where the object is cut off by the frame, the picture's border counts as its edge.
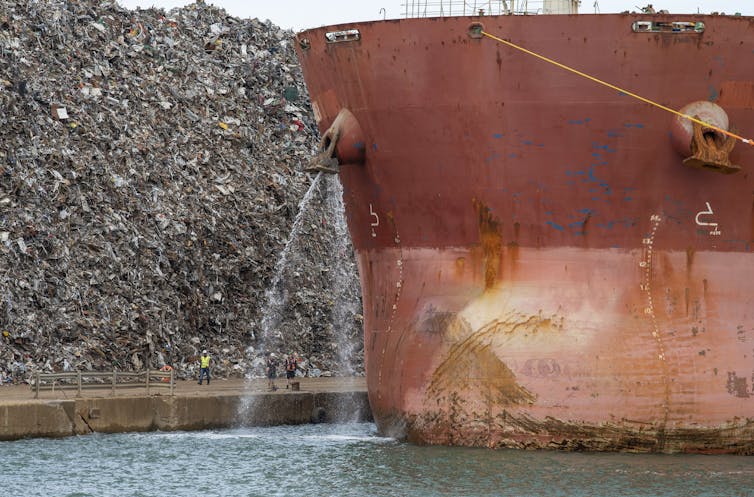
(60, 418)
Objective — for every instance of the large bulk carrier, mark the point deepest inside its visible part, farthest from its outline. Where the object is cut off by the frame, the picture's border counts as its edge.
(551, 255)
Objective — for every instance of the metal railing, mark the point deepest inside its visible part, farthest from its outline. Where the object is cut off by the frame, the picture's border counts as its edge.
(443, 8)
(111, 380)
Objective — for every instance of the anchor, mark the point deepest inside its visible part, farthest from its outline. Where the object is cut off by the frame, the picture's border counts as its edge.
(711, 150)
(342, 143)
(326, 161)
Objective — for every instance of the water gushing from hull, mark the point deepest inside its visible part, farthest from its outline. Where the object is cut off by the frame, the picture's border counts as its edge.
(276, 298)
(343, 268)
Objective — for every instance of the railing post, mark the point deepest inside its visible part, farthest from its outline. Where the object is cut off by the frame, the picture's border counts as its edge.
(79, 382)
(115, 380)
(36, 385)
(171, 381)
(147, 381)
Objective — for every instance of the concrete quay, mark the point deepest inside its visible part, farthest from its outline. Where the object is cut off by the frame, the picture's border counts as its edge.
(222, 404)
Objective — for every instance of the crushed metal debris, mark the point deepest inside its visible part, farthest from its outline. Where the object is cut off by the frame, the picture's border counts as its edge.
(150, 172)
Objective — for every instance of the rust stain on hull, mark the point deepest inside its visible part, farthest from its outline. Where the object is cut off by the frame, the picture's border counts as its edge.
(491, 241)
(524, 432)
(471, 366)
(595, 293)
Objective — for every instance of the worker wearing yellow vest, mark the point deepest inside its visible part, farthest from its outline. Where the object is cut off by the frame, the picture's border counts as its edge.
(204, 366)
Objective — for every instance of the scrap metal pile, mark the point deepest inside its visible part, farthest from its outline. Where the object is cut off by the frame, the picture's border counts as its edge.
(150, 172)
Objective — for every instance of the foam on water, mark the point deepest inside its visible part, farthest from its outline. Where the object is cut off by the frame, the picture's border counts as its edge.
(348, 461)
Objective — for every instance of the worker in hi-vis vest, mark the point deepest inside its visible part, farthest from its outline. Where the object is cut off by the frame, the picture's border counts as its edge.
(204, 366)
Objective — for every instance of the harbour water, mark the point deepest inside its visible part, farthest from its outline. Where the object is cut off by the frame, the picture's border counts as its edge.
(345, 460)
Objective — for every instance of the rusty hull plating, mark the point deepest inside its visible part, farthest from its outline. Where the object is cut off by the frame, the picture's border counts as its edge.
(538, 267)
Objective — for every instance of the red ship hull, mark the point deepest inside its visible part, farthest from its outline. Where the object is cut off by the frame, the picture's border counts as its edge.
(538, 267)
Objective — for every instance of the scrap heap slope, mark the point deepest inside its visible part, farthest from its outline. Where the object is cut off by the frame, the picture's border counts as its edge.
(150, 172)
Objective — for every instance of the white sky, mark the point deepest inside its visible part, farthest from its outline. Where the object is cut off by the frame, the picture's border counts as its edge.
(302, 14)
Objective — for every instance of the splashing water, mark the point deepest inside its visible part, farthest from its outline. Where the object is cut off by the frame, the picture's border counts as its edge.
(342, 286)
(276, 296)
(347, 461)
(344, 307)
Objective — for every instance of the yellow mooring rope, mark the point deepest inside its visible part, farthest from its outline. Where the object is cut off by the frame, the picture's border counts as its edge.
(638, 97)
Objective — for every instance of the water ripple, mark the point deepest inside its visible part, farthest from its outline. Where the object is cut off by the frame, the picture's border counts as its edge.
(344, 461)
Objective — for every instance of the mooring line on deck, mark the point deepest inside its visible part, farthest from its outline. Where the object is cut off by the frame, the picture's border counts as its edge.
(626, 92)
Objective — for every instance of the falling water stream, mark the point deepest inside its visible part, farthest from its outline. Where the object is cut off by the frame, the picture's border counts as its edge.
(342, 270)
(276, 296)
(344, 308)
